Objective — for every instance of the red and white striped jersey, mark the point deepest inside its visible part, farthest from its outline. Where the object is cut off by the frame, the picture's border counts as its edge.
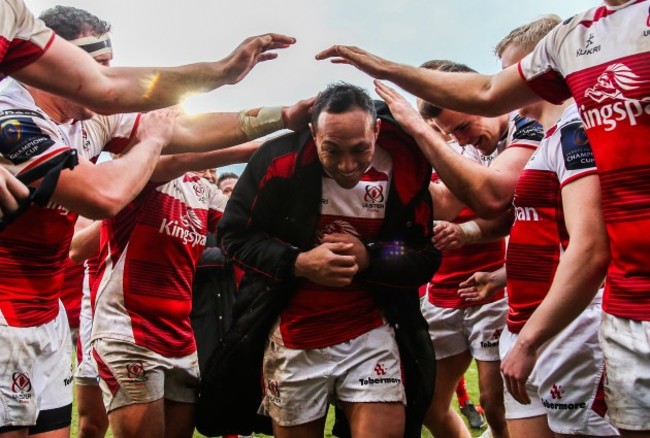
(602, 58)
(34, 248)
(148, 255)
(539, 235)
(23, 38)
(319, 316)
(459, 264)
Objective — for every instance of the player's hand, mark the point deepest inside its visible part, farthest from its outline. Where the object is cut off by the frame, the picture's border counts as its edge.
(157, 126)
(251, 51)
(358, 249)
(298, 115)
(516, 368)
(405, 114)
(479, 286)
(327, 264)
(12, 191)
(448, 235)
(359, 58)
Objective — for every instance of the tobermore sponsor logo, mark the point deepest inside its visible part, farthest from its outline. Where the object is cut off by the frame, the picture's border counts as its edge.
(380, 370)
(493, 341)
(21, 387)
(189, 229)
(557, 402)
(613, 84)
(374, 197)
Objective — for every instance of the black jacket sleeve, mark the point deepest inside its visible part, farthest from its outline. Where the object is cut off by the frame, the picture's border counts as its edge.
(249, 227)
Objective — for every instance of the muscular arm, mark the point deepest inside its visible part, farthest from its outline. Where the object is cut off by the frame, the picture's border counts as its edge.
(209, 131)
(488, 95)
(446, 205)
(110, 89)
(487, 191)
(101, 191)
(577, 278)
(85, 242)
(172, 166)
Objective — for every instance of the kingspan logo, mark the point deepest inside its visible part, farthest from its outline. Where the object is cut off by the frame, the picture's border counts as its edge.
(189, 229)
(613, 84)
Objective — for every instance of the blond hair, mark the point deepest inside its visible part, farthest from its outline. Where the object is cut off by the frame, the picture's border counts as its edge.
(527, 36)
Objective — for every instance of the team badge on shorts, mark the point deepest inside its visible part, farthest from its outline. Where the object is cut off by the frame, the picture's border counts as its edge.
(21, 387)
(136, 371)
(273, 391)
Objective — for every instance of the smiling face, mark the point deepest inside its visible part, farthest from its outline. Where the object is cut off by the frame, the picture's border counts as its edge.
(346, 144)
(480, 132)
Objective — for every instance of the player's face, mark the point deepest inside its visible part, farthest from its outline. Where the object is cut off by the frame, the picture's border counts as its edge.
(478, 131)
(510, 56)
(346, 144)
(227, 185)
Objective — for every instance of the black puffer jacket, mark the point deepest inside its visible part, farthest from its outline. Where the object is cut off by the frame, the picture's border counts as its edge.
(270, 218)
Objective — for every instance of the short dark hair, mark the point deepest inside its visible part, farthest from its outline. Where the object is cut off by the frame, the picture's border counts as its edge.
(68, 22)
(338, 98)
(428, 110)
(226, 175)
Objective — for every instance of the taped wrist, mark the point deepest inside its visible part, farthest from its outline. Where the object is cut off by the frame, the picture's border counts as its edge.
(472, 231)
(257, 123)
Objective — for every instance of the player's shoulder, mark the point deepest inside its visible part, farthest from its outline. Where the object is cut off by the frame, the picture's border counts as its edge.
(526, 129)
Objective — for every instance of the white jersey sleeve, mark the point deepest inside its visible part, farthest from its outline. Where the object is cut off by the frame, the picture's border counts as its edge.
(29, 143)
(23, 38)
(570, 154)
(108, 133)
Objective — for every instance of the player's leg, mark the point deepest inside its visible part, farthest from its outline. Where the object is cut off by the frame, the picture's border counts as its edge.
(451, 345)
(626, 347)
(296, 390)
(369, 387)
(132, 384)
(485, 324)
(375, 420)
(441, 419)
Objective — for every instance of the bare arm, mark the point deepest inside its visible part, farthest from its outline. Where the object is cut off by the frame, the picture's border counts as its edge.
(110, 89)
(487, 191)
(577, 278)
(210, 131)
(488, 95)
(450, 235)
(446, 205)
(101, 191)
(482, 285)
(172, 166)
(85, 242)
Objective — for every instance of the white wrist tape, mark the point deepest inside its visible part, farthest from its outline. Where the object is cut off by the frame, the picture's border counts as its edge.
(472, 231)
(257, 123)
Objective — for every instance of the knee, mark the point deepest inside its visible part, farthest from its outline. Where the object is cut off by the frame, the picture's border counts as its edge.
(92, 427)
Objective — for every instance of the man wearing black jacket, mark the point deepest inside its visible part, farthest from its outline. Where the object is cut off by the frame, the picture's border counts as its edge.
(332, 231)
